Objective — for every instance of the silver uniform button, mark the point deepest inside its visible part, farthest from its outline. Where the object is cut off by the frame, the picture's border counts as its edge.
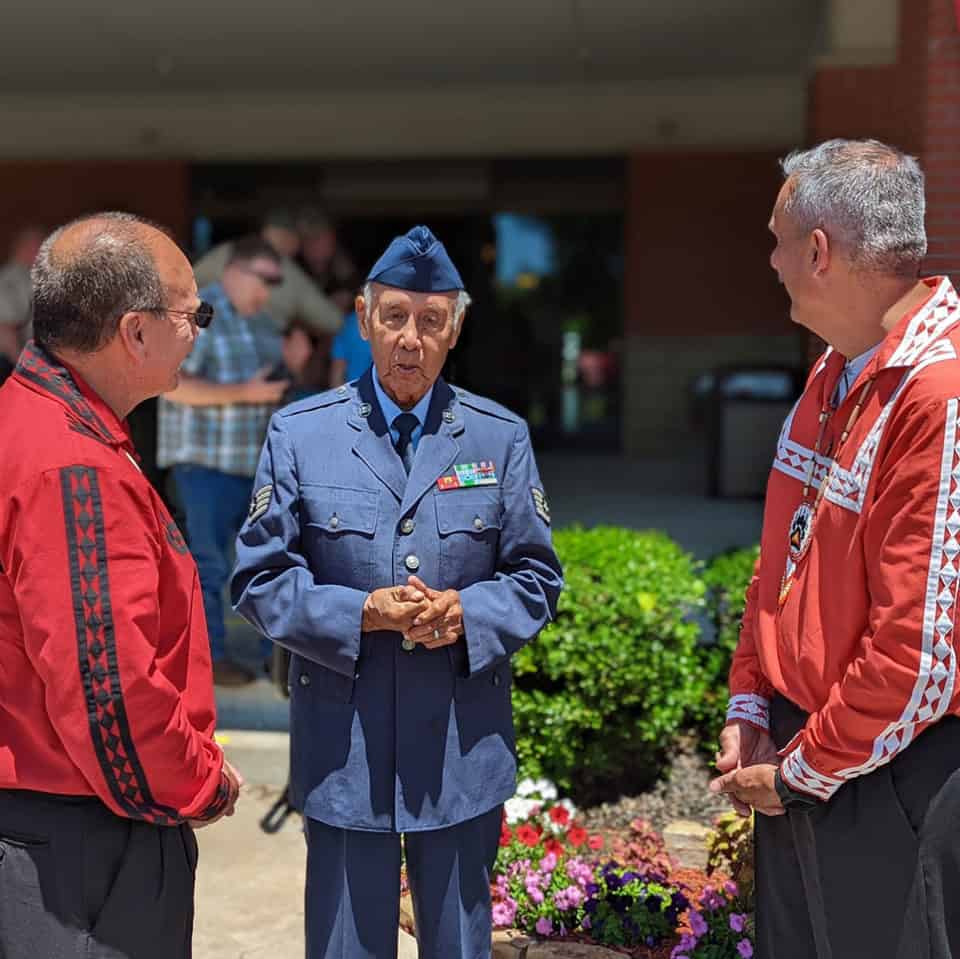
(334, 521)
(407, 526)
(478, 523)
(304, 679)
(412, 563)
(409, 645)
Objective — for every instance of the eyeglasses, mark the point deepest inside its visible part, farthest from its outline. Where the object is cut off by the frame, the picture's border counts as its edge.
(203, 316)
(270, 279)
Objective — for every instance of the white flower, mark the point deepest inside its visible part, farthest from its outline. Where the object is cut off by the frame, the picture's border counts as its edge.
(569, 806)
(527, 787)
(519, 809)
(545, 789)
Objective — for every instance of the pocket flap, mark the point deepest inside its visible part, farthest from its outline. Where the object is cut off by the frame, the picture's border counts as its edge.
(338, 510)
(457, 514)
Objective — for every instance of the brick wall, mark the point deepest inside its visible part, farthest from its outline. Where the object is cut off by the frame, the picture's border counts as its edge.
(697, 245)
(51, 192)
(914, 104)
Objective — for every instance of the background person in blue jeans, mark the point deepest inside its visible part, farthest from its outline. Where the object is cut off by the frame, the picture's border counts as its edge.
(212, 426)
(350, 356)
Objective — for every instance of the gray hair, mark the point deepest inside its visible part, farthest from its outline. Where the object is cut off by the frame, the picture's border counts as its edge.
(459, 307)
(81, 289)
(867, 196)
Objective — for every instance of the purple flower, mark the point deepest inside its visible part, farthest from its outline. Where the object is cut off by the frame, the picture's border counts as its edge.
(744, 948)
(536, 896)
(737, 921)
(549, 862)
(544, 926)
(730, 888)
(697, 923)
(586, 922)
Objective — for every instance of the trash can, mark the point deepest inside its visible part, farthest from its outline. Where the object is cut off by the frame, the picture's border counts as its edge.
(747, 408)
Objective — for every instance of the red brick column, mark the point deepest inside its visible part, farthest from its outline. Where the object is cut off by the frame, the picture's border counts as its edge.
(914, 104)
(941, 139)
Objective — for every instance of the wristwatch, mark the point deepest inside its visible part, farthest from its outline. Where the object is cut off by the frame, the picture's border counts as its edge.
(792, 798)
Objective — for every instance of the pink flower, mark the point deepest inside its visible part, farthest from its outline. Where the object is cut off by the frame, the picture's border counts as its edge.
(536, 896)
(697, 923)
(544, 926)
(549, 861)
(504, 913)
(744, 948)
(737, 922)
(568, 898)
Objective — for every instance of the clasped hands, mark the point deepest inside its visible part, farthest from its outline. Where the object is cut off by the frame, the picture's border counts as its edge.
(431, 617)
(748, 761)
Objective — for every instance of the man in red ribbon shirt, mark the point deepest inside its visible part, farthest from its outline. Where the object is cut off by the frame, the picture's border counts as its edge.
(107, 755)
(844, 697)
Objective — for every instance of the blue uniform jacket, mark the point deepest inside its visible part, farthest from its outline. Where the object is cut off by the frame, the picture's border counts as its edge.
(384, 739)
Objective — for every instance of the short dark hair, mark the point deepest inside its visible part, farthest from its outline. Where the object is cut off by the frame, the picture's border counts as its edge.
(80, 294)
(252, 247)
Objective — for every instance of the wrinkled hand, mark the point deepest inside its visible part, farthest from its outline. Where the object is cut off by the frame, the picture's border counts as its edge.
(743, 745)
(258, 389)
(751, 787)
(441, 623)
(234, 782)
(393, 608)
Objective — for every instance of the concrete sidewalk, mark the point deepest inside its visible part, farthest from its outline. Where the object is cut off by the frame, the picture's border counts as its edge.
(250, 885)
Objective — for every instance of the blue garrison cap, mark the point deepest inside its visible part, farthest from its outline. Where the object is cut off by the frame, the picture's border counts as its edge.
(417, 262)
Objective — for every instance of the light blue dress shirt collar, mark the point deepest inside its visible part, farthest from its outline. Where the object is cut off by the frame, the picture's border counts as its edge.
(851, 370)
(391, 411)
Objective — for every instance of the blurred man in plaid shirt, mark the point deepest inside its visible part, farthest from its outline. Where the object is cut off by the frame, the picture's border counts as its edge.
(212, 426)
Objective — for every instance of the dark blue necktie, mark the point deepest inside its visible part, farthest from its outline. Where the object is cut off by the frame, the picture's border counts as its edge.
(405, 424)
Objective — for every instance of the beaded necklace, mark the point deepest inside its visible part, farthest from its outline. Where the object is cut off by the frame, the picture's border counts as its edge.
(801, 526)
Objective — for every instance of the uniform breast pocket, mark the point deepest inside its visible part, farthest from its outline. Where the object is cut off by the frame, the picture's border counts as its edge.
(469, 530)
(338, 530)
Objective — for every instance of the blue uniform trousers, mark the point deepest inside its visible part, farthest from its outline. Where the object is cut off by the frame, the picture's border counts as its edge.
(353, 889)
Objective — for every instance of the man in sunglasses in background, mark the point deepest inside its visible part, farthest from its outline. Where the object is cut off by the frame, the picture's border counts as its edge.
(107, 755)
(212, 426)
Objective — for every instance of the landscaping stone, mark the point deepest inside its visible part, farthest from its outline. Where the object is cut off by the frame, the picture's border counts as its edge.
(687, 843)
(682, 794)
(407, 922)
(569, 950)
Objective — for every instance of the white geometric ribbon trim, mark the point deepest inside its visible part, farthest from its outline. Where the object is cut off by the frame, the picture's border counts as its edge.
(799, 774)
(749, 708)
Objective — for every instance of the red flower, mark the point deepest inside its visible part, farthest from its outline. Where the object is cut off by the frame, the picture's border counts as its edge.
(554, 846)
(595, 842)
(506, 837)
(528, 835)
(577, 836)
(560, 815)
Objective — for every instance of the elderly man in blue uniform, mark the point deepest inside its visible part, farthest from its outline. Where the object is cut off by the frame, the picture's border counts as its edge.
(398, 544)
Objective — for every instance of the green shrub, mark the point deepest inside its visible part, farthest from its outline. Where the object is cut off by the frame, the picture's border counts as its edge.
(726, 579)
(600, 697)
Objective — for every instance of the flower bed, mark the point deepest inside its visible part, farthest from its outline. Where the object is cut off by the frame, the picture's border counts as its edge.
(554, 879)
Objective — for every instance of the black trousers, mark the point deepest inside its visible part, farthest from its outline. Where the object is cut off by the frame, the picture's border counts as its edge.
(78, 882)
(875, 872)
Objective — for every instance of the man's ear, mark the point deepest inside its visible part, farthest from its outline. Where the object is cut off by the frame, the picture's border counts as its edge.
(131, 331)
(819, 252)
(363, 321)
